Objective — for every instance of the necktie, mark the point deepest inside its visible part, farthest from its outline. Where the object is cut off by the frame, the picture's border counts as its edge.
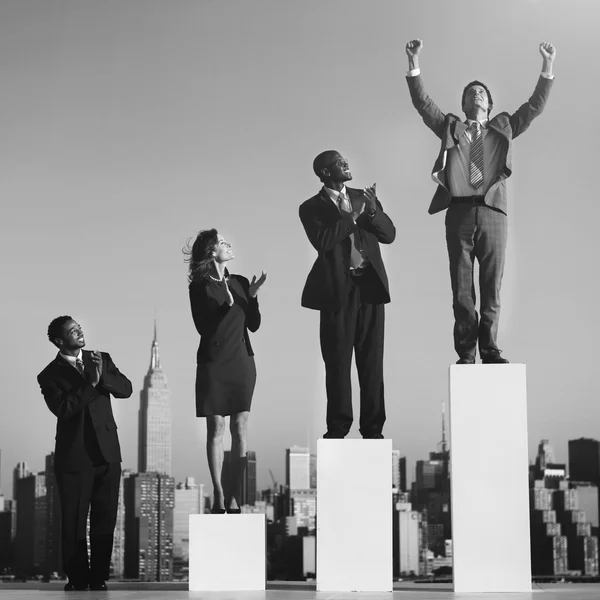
(79, 365)
(355, 254)
(476, 155)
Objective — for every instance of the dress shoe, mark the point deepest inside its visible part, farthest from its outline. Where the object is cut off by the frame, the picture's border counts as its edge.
(492, 357)
(217, 511)
(333, 435)
(234, 511)
(467, 359)
(75, 586)
(98, 586)
(373, 436)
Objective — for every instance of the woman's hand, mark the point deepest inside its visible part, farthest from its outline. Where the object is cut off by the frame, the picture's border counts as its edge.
(256, 284)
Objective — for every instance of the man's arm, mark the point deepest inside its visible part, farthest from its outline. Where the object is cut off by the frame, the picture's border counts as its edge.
(112, 380)
(66, 404)
(433, 117)
(522, 118)
(324, 236)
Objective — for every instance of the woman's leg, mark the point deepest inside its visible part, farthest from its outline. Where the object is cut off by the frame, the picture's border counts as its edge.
(238, 427)
(215, 428)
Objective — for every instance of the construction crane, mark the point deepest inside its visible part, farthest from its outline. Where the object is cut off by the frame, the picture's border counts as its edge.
(273, 480)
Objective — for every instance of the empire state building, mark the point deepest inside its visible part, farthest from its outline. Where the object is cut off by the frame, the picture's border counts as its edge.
(154, 451)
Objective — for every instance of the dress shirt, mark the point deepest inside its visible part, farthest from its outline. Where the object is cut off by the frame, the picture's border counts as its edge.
(73, 359)
(334, 195)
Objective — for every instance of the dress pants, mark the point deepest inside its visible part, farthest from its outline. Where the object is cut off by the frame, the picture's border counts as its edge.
(357, 326)
(95, 488)
(475, 232)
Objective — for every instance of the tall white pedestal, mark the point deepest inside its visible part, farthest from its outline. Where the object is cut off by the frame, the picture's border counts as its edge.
(354, 515)
(228, 553)
(489, 478)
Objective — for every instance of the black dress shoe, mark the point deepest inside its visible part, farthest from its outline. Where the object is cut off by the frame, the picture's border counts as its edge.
(466, 360)
(217, 511)
(333, 435)
(234, 511)
(98, 586)
(492, 357)
(373, 436)
(75, 586)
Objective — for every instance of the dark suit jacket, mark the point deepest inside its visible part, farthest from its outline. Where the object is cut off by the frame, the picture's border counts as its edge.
(72, 399)
(328, 230)
(208, 300)
(449, 128)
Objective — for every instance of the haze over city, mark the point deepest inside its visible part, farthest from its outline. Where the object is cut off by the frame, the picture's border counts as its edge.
(128, 127)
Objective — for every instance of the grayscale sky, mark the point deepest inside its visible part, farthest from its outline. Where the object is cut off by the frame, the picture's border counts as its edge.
(129, 126)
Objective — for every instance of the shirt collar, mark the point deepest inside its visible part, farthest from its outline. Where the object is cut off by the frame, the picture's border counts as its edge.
(334, 194)
(483, 123)
(72, 359)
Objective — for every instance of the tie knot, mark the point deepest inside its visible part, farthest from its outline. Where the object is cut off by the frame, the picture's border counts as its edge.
(476, 126)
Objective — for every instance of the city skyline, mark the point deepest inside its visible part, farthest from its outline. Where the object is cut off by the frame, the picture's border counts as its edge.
(130, 126)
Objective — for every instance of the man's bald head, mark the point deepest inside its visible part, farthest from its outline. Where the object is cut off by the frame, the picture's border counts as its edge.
(325, 160)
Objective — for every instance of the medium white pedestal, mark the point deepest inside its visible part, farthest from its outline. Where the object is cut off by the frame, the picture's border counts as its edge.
(228, 553)
(489, 478)
(354, 515)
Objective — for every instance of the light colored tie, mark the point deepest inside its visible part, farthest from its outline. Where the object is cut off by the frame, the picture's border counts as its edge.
(79, 365)
(476, 155)
(356, 258)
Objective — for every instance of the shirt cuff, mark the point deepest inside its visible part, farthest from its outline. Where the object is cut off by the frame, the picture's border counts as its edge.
(413, 73)
(547, 76)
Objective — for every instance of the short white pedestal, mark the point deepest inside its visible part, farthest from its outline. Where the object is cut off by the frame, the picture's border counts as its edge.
(227, 553)
(489, 478)
(354, 515)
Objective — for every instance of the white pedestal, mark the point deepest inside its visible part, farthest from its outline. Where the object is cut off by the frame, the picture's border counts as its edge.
(489, 478)
(354, 515)
(228, 553)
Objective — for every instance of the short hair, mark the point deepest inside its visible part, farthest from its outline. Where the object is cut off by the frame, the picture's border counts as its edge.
(485, 87)
(324, 160)
(199, 254)
(56, 326)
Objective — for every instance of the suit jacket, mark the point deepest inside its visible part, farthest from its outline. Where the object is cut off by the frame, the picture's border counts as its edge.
(328, 230)
(208, 301)
(449, 128)
(71, 397)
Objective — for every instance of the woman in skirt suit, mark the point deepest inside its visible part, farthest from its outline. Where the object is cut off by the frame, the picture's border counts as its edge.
(224, 308)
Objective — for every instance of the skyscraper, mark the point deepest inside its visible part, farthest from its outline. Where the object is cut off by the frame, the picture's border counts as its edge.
(149, 507)
(30, 541)
(53, 559)
(584, 460)
(189, 500)
(154, 442)
(19, 472)
(297, 468)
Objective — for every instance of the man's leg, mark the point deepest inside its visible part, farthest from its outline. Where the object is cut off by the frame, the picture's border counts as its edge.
(337, 341)
(369, 364)
(75, 491)
(460, 231)
(103, 518)
(490, 248)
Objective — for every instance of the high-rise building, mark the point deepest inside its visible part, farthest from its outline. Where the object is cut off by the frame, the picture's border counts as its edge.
(409, 540)
(584, 460)
(117, 563)
(19, 472)
(402, 466)
(249, 493)
(154, 441)
(297, 468)
(53, 560)
(561, 535)
(189, 500)
(313, 471)
(30, 540)
(7, 528)
(303, 506)
(149, 508)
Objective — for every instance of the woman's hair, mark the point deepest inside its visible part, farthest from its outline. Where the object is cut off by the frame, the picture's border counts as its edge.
(199, 254)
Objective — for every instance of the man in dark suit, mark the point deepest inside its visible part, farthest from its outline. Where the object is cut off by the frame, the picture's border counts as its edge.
(349, 286)
(471, 171)
(77, 386)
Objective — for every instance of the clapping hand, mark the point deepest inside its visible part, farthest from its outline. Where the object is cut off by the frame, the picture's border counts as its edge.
(256, 284)
(371, 198)
(97, 372)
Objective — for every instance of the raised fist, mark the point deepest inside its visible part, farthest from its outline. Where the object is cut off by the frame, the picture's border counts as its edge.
(547, 50)
(414, 47)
